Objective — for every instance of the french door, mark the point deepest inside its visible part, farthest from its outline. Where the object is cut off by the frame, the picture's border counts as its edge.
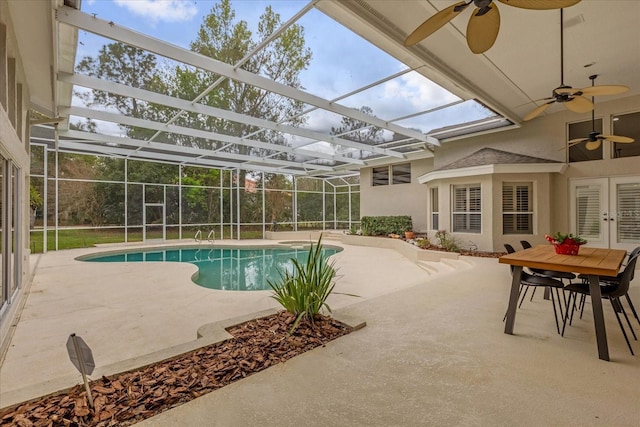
(606, 211)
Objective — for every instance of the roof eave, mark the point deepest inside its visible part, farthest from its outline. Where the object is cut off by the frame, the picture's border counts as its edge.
(517, 168)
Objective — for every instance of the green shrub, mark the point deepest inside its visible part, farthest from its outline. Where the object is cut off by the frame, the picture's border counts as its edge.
(385, 225)
(423, 243)
(305, 291)
(447, 241)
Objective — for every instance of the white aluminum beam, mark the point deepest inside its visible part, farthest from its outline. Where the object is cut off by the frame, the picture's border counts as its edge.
(113, 31)
(156, 98)
(84, 148)
(197, 133)
(179, 149)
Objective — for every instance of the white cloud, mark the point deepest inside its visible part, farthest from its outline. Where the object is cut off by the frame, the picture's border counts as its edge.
(161, 10)
(420, 92)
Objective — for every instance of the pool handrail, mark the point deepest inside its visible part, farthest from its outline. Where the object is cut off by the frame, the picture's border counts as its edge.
(211, 237)
(198, 236)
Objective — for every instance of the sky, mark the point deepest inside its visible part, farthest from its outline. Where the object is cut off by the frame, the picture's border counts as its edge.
(342, 61)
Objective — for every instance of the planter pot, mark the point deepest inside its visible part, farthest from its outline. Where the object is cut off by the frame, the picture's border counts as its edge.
(409, 235)
(567, 248)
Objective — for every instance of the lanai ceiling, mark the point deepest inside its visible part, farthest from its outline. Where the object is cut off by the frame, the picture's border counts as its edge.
(600, 37)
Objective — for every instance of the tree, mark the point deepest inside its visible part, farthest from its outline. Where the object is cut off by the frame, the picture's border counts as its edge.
(359, 131)
(226, 39)
(128, 65)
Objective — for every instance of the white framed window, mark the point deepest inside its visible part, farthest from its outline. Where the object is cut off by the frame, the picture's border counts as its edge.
(466, 216)
(626, 125)
(517, 208)
(394, 174)
(435, 210)
(580, 152)
(380, 176)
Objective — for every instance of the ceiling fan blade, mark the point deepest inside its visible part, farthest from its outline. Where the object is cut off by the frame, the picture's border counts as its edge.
(540, 4)
(577, 141)
(592, 145)
(539, 110)
(434, 23)
(579, 104)
(482, 30)
(616, 138)
(604, 90)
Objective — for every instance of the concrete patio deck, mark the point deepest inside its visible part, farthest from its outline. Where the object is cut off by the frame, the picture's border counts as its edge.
(433, 351)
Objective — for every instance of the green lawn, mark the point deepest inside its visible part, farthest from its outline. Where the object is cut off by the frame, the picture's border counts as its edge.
(70, 239)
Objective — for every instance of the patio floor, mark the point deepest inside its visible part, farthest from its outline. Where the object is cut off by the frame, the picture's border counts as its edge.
(432, 353)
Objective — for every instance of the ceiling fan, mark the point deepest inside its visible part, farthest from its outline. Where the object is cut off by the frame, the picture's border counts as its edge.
(484, 24)
(572, 99)
(594, 139)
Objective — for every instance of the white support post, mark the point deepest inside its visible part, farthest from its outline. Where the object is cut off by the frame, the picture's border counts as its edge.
(295, 204)
(126, 201)
(56, 184)
(45, 204)
(238, 202)
(180, 202)
(324, 205)
(264, 214)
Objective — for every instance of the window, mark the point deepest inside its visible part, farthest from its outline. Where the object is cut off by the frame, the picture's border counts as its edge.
(467, 209)
(579, 152)
(517, 215)
(627, 125)
(435, 210)
(381, 176)
(400, 174)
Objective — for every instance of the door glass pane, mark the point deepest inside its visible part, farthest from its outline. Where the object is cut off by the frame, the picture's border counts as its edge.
(588, 211)
(628, 209)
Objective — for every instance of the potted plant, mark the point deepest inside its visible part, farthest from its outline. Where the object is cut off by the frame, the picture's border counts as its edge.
(566, 244)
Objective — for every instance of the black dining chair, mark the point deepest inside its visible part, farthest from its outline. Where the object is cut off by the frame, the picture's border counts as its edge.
(614, 281)
(612, 293)
(560, 275)
(531, 280)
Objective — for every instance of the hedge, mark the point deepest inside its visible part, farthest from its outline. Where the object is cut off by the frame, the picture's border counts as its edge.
(384, 225)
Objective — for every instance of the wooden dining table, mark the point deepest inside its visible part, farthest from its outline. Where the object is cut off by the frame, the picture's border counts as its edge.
(593, 262)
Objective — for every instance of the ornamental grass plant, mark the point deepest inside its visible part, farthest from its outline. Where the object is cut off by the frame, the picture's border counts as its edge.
(304, 291)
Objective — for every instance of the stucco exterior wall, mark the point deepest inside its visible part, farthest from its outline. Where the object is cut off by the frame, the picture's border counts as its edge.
(544, 137)
(397, 199)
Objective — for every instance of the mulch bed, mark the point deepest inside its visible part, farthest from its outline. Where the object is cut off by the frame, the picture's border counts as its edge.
(127, 398)
(467, 252)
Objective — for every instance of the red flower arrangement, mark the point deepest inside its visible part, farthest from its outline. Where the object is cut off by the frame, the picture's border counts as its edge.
(566, 244)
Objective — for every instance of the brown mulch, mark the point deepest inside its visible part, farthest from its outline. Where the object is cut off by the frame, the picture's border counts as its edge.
(127, 398)
(467, 252)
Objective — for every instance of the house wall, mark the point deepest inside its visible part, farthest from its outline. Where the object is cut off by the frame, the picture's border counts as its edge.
(397, 199)
(14, 143)
(544, 137)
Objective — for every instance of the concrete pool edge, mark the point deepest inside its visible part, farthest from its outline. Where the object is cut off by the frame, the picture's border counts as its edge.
(208, 334)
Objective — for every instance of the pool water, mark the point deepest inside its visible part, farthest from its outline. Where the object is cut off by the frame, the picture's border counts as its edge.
(237, 269)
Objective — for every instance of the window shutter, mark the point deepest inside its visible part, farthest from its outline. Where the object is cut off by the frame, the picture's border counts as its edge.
(628, 213)
(588, 211)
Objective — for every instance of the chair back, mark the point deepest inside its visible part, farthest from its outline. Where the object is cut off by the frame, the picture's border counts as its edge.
(525, 244)
(510, 250)
(634, 253)
(625, 279)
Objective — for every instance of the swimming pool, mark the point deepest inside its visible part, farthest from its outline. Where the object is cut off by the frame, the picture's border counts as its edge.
(225, 268)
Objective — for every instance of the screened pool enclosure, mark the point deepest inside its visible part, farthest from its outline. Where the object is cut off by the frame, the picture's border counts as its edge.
(96, 199)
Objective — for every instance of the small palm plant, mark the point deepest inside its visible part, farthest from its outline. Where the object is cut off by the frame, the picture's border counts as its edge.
(305, 291)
